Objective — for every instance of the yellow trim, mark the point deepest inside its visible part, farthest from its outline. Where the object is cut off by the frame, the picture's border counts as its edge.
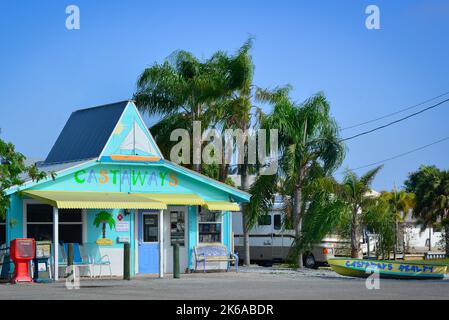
(134, 158)
(104, 242)
(174, 199)
(220, 205)
(94, 200)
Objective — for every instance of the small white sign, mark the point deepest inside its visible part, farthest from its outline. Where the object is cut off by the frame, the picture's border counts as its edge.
(122, 226)
(42, 266)
(123, 239)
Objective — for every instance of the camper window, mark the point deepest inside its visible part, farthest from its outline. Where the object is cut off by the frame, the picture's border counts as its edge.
(277, 222)
(264, 220)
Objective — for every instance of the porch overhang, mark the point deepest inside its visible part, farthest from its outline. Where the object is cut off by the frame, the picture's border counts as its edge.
(174, 199)
(94, 200)
(220, 205)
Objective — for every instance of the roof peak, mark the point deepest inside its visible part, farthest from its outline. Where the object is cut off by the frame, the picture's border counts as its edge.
(104, 105)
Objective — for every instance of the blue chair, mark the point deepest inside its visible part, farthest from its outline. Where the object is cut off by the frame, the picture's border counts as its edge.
(78, 259)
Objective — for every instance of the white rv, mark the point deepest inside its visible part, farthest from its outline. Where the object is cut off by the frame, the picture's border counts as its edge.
(270, 241)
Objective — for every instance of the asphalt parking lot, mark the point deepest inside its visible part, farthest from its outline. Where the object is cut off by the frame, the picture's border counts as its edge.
(252, 283)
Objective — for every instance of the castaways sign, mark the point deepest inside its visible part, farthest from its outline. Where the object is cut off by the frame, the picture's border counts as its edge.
(129, 177)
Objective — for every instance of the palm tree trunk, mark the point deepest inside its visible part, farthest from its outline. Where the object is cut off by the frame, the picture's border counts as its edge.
(244, 183)
(396, 240)
(195, 117)
(355, 243)
(297, 206)
(446, 238)
(104, 230)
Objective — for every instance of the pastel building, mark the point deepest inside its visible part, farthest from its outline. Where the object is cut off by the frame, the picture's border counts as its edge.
(112, 185)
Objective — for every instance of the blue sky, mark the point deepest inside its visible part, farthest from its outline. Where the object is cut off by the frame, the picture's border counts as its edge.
(48, 71)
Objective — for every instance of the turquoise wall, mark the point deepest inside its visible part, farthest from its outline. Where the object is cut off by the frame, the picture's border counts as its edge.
(14, 218)
(227, 225)
(192, 232)
(94, 233)
(132, 178)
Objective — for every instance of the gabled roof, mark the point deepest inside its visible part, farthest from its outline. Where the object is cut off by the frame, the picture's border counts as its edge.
(86, 133)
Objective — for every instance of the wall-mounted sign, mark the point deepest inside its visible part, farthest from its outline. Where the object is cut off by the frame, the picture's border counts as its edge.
(122, 226)
(123, 239)
(134, 177)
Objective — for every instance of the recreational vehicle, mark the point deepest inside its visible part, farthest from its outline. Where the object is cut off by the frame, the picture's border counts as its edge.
(270, 241)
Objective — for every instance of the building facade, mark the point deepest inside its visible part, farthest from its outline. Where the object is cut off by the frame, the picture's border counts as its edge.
(109, 184)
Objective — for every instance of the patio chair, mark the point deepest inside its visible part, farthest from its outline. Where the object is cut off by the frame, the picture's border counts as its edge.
(96, 259)
(78, 259)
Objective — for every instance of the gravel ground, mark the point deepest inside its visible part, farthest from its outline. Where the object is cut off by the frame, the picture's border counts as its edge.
(249, 283)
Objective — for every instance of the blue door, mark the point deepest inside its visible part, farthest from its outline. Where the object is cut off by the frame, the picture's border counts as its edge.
(148, 242)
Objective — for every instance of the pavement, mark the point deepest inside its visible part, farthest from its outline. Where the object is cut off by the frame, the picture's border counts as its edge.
(249, 283)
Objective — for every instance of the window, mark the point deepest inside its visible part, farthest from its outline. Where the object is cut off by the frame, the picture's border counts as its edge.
(177, 227)
(277, 222)
(264, 220)
(209, 226)
(150, 227)
(39, 223)
(2, 231)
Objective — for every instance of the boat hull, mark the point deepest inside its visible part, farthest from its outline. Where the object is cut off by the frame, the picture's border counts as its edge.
(387, 269)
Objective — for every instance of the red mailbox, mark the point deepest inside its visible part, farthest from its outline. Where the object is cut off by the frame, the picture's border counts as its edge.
(22, 251)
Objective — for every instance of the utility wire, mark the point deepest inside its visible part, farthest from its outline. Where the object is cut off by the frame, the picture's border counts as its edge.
(395, 113)
(395, 121)
(399, 155)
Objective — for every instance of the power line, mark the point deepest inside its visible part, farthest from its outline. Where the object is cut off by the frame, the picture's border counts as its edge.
(395, 113)
(399, 155)
(395, 121)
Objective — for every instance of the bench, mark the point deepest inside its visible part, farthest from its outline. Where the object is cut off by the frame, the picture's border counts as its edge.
(434, 255)
(214, 253)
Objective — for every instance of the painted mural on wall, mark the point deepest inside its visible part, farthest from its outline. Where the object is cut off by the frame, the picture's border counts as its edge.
(102, 219)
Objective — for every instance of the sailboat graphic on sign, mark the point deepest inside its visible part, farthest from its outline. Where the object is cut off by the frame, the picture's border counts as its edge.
(137, 142)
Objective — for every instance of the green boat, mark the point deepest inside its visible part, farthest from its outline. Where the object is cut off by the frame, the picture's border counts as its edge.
(388, 269)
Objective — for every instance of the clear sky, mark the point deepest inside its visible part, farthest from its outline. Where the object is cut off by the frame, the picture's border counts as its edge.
(48, 71)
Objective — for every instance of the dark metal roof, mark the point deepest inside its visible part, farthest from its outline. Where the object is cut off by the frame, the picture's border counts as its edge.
(86, 132)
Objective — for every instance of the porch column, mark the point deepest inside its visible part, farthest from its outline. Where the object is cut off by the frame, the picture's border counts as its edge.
(56, 242)
(161, 244)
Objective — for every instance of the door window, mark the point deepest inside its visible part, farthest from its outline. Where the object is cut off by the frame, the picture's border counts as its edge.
(177, 227)
(150, 227)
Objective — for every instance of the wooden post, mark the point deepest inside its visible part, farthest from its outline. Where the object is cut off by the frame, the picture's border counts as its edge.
(56, 243)
(126, 261)
(176, 260)
(70, 254)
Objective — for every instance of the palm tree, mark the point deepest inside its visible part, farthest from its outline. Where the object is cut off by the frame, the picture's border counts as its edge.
(183, 89)
(356, 192)
(235, 112)
(103, 218)
(308, 137)
(400, 203)
(431, 188)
